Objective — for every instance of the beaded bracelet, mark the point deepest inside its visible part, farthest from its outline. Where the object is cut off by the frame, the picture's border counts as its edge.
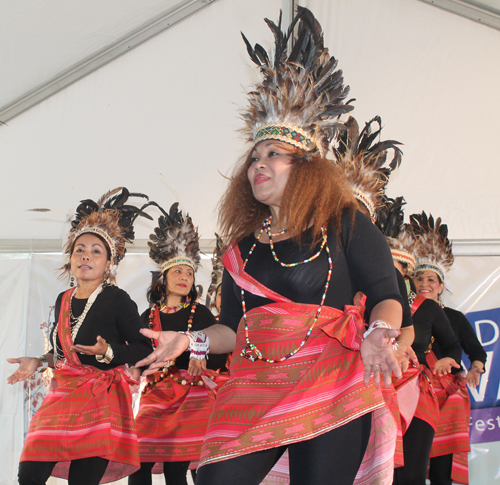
(380, 324)
(199, 344)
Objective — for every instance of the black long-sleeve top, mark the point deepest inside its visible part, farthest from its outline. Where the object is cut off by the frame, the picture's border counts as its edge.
(115, 318)
(407, 320)
(466, 337)
(431, 321)
(178, 322)
(361, 261)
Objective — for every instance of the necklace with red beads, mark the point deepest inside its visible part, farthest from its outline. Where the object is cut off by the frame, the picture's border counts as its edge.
(250, 350)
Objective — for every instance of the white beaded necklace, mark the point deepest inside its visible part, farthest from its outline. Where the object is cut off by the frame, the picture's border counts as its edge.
(81, 318)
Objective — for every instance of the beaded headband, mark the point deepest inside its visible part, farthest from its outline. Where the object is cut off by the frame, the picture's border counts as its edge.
(103, 234)
(426, 265)
(364, 200)
(177, 262)
(285, 133)
(404, 257)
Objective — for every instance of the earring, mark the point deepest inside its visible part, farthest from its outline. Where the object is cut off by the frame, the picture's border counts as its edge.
(72, 281)
(106, 279)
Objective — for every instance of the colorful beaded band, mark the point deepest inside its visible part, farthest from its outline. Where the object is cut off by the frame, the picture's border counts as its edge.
(404, 257)
(380, 324)
(176, 262)
(286, 133)
(427, 265)
(199, 345)
(103, 234)
(364, 200)
(107, 357)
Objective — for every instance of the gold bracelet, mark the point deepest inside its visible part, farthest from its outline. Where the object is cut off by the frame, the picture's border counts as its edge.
(107, 357)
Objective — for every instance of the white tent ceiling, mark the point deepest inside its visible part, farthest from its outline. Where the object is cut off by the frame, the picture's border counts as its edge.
(170, 106)
(47, 44)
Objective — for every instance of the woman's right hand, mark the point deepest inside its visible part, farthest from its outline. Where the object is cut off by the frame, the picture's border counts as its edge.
(27, 367)
(170, 346)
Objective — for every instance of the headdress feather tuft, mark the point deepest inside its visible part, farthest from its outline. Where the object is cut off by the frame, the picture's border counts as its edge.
(300, 93)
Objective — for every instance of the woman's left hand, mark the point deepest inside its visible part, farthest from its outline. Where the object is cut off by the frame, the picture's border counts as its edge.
(98, 349)
(378, 356)
(443, 366)
(474, 375)
(197, 367)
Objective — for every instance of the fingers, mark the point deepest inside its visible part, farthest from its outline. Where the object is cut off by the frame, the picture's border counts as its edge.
(147, 360)
(17, 360)
(100, 340)
(147, 332)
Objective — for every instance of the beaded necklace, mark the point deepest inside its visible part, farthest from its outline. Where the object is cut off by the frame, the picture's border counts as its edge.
(152, 316)
(280, 233)
(250, 348)
(180, 306)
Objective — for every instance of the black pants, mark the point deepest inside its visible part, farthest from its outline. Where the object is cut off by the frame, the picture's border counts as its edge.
(417, 443)
(174, 473)
(87, 471)
(333, 457)
(440, 470)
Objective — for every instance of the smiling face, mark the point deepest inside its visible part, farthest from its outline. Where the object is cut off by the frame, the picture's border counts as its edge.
(268, 172)
(89, 259)
(428, 285)
(179, 280)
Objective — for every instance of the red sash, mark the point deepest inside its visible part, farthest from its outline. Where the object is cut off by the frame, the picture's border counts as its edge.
(172, 418)
(452, 434)
(86, 413)
(416, 396)
(320, 388)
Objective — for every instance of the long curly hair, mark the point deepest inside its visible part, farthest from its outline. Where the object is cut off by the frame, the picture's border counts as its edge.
(316, 194)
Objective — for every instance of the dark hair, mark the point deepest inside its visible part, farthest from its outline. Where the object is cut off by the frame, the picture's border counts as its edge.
(159, 289)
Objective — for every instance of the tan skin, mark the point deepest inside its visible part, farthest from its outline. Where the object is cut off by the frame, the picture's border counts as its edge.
(429, 285)
(179, 281)
(89, 265)
(268, 174)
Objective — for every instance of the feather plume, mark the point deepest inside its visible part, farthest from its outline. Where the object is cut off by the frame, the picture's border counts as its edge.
(433, 245)
(400, 236)
(174, 237)
(303, 90)
(364, 161)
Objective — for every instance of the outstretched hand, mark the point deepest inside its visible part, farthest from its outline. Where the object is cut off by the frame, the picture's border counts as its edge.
(170, 346)
(27, 367)
(378, 356)
(443, 366)
(474, 376)
(98, 349)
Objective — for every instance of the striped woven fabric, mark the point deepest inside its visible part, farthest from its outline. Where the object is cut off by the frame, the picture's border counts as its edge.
(452, 434)
(86, 413)
(172, 418)
(318, 389)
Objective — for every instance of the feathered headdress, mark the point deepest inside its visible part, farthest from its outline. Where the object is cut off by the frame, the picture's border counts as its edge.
(434, 251)
(364, 162)
(400, 237)
(217, 269)
(175, 241)
(300, 93)
(111, 218)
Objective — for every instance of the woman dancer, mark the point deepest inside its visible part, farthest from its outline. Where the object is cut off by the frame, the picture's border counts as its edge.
(449, 460)
(177, 400)
(431, 325)
(85, 427)
(301, 370)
